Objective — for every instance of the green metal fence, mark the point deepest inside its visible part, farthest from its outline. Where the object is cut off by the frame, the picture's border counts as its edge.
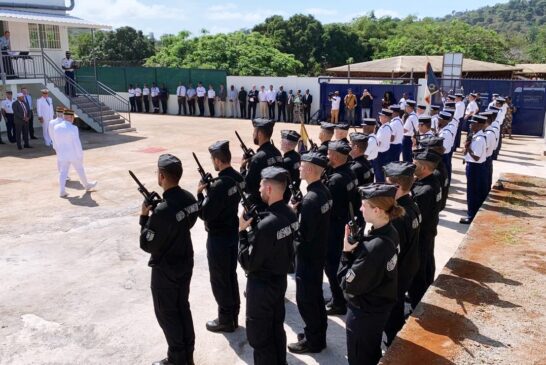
(119, 78)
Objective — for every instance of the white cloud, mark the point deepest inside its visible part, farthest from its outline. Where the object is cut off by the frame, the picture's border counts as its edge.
(380, 13)
(230, 12)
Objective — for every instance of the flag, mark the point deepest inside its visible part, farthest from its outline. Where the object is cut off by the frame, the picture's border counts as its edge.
(304, 139)
(432, 84)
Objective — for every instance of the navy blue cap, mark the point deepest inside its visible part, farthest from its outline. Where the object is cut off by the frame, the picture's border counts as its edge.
(369, 121)
(459, 95)
(451, 97)
(169, 162)
(275, 173)
(494, 108)
(262, 122)
(386, 112)
(340, 146)
(219, 146)
(450, 111)
(327, 126)
(431, 141)
(477, 119)
(399, 168)
(494, 95)
(343, 126)
(290, 135)
(395, 108)
(500, 100)
(425, 119)
(358, 137)
(449, 104)
(435, 107)
(377, 191)
(445, 115)
(421, 106)
(315, 158)
(425, 154)
(411, 103)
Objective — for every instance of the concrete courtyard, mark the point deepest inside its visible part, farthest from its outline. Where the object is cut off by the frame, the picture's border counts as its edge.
(75, 284)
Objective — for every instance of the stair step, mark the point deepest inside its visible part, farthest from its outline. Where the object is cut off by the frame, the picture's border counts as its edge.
(98, 114)
(116, 126)
(124, 130)
(113, 122)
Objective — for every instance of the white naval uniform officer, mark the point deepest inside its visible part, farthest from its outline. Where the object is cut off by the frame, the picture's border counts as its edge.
(69, 152)
(44, 109)
(51, 132)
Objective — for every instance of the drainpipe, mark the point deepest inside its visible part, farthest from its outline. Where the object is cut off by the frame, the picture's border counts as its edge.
(37, 6)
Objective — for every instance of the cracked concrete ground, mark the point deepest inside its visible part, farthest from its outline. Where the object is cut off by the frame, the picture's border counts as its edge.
(75, 285)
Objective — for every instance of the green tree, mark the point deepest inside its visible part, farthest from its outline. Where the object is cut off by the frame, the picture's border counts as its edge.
(237, 53)
(341, 41)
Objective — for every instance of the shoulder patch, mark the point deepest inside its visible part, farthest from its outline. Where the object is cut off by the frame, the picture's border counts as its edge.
(392, 262)
(350, 276)
(150, 235)
(439, 196)
(415, 223)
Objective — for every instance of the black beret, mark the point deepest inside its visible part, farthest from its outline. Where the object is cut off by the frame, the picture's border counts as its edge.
(343, 126)
(445, 115)
(421, 106)
(219, 146)
(386, 112)
(425, 119)
(377, 190)
(451, 97)
(399, 168)
(369, 121)
(449, 104)
(395, 108)
(327, 126)
(424, 154)
(340, 146)
(477, 119)
(411, 103)
(315, 158)
(435, 107)
(431, 141)
(169, 162)
(262, 122)
(358, 137)
(275, 173)
(290, 135)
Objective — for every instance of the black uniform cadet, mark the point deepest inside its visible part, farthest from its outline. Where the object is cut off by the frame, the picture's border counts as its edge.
(436, 144)
(311, 245)
(265, 254)
(368, 276)
(427, 193)
(267, 155)
(166, 236)
(291, 160)
(219, 211)
(325, 136)
(341, 132)
(401, 173)
(342, 185)
(361, 167)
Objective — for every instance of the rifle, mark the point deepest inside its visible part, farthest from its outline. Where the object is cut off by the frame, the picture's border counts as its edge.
(297, 195)
(356, 232)
(247, 152)
(206, 177)
(150, 198)
(324, 177)
(467, 143)
(250, 211)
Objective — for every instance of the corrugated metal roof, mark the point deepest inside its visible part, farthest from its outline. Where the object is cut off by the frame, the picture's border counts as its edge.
(48, 18)
(406, 64)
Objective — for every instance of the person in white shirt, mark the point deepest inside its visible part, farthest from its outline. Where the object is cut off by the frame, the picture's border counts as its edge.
(459, 115)
(434, 110)
(475, 154)
(69, 152)
(146, 98)
(472, 107)
(181, 98)
(397, 127)
(491, 141)
(232, 100)
(211, 96)
(51, 129)
(69, 65)
(44, 109)
(410, 127)
(335, 101)
(7, 112)
(132, 102)
(447, 132)
(271, 97)
(201, 92)
(493, 101)
(384, 139)
(138, 98)
(154, 92)
(501, 108)
(368, 128)
(262, 98)
(402, 101)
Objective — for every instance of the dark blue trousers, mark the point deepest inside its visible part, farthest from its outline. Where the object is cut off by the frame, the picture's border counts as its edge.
(446, 158)
(383, 158)
(10, 127)
(406, 149)
(395, 151)
(497, 150)
(476, 186)
(457, 142)
(489, 163)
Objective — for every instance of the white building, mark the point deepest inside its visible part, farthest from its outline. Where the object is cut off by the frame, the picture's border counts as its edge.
(38, 42)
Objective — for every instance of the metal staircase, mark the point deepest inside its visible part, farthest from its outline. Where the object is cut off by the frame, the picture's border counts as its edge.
(101, 108)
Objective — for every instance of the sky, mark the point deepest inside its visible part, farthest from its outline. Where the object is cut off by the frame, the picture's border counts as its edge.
(169, 16)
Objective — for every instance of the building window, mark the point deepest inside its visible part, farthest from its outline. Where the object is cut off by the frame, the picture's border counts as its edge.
(47, 34)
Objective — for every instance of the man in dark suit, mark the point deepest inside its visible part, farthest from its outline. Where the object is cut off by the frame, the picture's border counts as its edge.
(21, 117)
(307, 101)
(282, 97)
